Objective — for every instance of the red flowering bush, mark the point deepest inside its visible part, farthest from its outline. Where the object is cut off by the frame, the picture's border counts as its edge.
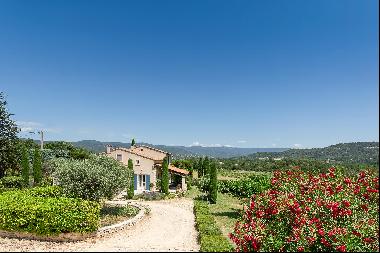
(312, 212)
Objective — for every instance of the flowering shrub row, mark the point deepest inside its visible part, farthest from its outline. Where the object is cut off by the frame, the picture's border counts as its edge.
(312, 212)
(210, 236)
(245, 187)
(37, 212)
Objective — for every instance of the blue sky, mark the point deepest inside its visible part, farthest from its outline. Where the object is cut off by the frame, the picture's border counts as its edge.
(240, 73)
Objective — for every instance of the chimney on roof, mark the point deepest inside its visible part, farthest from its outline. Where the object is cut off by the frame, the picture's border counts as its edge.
(108, 147)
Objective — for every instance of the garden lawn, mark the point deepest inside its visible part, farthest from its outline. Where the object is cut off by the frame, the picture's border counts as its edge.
(226, 211)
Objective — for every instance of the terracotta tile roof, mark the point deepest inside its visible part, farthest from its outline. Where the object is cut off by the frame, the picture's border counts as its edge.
(155, 149)
(178, 170)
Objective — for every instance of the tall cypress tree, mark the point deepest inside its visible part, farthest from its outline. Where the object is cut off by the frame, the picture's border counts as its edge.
(165, 177)
(200, 167)
(133, 142)
(206, 166)
(213, 187)
(37, 167)
(131, 187)
(8, 139)
(25, 165)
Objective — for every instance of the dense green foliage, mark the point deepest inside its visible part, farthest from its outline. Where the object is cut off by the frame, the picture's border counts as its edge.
(12, 182)
(25, 166)
(133, 142)
(37, 167)
(245, 187)
(165, 177)
(209, 235)
(93, 179)
(8, 139)
(305, 211)
(213, 188)
(131, 187)
(65, 150)
(21, 211)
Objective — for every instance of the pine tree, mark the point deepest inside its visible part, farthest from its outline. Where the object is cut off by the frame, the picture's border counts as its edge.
(37, 167)
(213, 187)
(131, 187)
(8, 139)
(165, 177)
(133, 142)
(25, 165)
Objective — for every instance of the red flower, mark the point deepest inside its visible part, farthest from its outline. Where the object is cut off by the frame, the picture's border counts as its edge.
(341, 248)
(321, 232)
(346, 203)
(300, 249)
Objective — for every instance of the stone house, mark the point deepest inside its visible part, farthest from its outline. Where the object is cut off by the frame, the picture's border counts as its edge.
(147, 167)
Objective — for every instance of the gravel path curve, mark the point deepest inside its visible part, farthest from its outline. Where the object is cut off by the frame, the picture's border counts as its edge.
(169, 227)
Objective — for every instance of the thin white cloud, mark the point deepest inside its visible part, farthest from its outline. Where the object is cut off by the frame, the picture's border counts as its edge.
(274, 145)
(242, 141)
(31, 126)
(297, 145)
(197, 143)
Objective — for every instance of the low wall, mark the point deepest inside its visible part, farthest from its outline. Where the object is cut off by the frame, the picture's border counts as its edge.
(69, 237)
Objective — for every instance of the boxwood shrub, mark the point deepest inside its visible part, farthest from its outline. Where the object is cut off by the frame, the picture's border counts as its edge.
(36, 211)
(209, 234)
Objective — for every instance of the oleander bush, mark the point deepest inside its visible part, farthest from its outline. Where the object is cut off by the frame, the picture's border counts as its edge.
(209, 235)
(245, 187)
(37, 212)
(312, 212)
(96, 178)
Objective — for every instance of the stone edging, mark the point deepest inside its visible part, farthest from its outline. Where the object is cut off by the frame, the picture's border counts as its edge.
(69, 237)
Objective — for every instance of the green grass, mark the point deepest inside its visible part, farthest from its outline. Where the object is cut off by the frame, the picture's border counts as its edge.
(226, 212)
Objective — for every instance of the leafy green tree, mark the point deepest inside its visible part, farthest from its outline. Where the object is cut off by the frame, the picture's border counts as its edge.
(8, 139)
(213, 187)
(133, 142)
(131, 186)
(25, 165)
(37, 167)
(165, 177)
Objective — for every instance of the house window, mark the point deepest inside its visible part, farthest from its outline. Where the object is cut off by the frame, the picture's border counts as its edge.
(142, 181)
(137, 162)
(119, 157)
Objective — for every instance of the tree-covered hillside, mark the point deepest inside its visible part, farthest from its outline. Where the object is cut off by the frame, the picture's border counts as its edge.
(355, 152)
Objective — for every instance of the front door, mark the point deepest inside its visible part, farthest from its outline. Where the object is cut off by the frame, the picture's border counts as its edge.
(141, 184)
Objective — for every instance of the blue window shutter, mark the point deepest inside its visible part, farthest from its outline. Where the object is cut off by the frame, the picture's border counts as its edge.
(135, 181)
(147, 182)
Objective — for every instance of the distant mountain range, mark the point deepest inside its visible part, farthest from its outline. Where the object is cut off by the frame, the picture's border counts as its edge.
(181, 151)
(354, 152)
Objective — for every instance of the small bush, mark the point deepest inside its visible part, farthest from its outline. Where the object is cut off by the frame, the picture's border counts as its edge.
(209, 235)
(21, 211)
(93, 179)
(245, 188)
(12, 182)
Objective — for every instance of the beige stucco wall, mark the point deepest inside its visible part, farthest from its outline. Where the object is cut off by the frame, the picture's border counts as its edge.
(146, 166)
(156, 155)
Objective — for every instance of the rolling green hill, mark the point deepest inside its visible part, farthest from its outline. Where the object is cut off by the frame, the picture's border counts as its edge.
(355, 152)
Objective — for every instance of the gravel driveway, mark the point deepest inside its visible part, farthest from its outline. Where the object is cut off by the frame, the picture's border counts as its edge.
(169, 227)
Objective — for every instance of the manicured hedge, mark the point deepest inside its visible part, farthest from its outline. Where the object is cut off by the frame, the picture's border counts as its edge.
(40, 211)
(210, 236)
